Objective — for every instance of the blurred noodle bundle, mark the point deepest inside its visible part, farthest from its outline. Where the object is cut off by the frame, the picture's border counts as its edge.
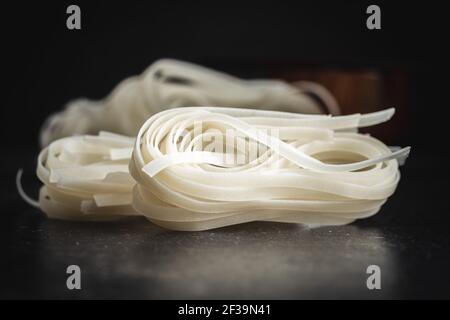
(170, 84)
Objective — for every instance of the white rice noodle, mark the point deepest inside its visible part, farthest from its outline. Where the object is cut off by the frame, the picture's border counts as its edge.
(316, 172)
(169, 84)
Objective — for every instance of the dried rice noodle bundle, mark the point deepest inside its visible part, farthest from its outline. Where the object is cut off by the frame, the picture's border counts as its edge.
(169, 84)
(86, 177)
(312, 169)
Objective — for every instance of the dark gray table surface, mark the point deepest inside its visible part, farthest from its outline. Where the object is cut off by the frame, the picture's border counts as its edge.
(409, 240)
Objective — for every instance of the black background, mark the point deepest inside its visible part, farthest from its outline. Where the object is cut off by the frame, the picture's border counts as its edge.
(46, 65)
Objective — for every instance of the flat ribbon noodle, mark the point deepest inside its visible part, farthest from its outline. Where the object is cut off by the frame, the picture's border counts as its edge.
(86, 178)
(315, 172)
